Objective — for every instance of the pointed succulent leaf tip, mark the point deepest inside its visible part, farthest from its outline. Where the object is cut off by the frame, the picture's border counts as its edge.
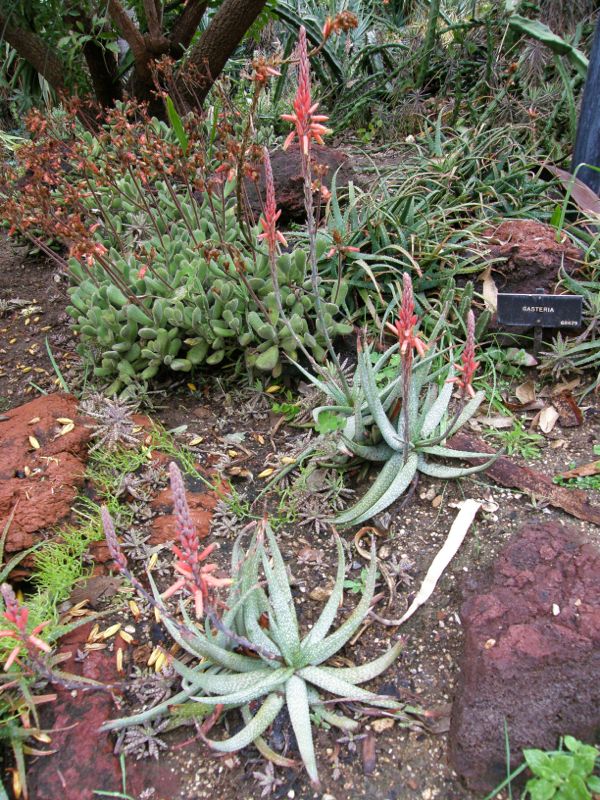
(268, 221)
(299, 711)
(307, 124)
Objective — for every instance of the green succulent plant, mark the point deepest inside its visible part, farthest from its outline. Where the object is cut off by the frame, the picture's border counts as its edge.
(190, 293)
(405, 450)
(285, 668)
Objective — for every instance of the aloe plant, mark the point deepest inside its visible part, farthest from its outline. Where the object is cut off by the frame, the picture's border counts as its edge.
(286, 669)
(405, 448)
(402, 438)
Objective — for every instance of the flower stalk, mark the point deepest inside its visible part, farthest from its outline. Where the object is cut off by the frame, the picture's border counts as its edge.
(308, 126)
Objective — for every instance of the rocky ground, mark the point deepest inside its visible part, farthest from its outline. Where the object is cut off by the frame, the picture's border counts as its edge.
(553, 569)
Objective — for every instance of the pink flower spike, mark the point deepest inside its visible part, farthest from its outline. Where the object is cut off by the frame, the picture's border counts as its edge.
(307, 124)
(468, 364)
(114, 548)
(404, 326)
(195, 577)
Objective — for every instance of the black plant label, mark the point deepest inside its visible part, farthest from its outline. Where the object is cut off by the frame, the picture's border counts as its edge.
(540, 310)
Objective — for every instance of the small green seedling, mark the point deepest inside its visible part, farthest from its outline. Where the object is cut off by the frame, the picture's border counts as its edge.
(518, 441)
(563, 775)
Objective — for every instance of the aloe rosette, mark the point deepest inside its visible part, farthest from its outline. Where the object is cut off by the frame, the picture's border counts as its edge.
(409, 441)
(285, 668)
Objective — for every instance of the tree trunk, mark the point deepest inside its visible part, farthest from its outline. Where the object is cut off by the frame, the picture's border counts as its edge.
(34, 50)
(102, 65)
(145, 49)
(216, 45)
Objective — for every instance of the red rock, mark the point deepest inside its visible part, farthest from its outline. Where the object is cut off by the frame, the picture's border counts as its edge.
(530, 256)
(44, 497)
(163, 526)
(84, 761)
(523, 662)
(289, 184)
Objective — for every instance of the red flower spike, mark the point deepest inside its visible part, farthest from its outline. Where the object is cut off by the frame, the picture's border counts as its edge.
(468, 364)
(308, 125)
(268, 221)
(404, 326)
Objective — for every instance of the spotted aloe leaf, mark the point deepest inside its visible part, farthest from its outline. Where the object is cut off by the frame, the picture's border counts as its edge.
(382, 493)
(222, 683)
(284, 615)
(376, 408)
(332, 683)
(468, 411)
(256, 727)
(438, 410)
(448, 452)
(321, 627)
(444, 472)
(372, 669)
(382, 483)
(379, 452)
(273, 680)
(317, 653)
(298, 708)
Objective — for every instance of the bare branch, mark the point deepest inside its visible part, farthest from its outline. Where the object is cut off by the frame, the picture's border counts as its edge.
(128, 29)
(152, 18)
(187, 23)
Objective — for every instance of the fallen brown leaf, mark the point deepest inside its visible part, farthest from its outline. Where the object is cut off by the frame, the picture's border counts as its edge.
(547, 419)
(593, 468)
(496, 421)
(383, 724)
(489, 291)
(525, 392)
(569, 413)
(582, 195)
(369, 755)
(97, 588)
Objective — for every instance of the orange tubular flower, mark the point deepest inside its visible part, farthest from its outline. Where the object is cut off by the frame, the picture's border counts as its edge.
(268, 221)
(308, 125)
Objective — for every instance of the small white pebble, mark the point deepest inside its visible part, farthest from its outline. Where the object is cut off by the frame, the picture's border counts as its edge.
(555, 609)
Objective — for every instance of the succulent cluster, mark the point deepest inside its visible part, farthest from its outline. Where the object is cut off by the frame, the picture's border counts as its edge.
(189, 295)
